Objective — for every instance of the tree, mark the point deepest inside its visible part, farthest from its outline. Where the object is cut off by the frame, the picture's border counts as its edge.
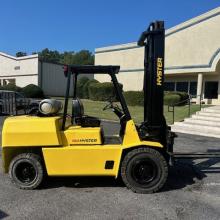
(67, 57)
(83, 57)
(21, 54)
(49, 55)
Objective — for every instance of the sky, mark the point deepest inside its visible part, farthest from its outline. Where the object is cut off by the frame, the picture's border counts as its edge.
(72, 25)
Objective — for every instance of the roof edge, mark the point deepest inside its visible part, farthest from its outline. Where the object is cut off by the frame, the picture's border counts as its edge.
(172, 30)
(19, 58)
(193, 21)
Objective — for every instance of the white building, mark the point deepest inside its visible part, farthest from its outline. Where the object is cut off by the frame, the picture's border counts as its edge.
(192, 58)
(30, 70)
(18, 70)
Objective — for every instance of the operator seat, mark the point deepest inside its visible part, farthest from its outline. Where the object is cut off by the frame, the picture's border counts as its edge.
(80, 119)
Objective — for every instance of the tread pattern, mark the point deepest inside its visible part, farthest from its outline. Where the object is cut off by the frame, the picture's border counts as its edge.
(36, 161)
(152, 153)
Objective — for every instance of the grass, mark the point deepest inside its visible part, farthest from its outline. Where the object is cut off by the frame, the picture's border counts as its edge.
(94, 108)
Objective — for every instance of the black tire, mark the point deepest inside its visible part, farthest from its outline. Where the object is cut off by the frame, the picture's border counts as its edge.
(144, 170)
(26, 171)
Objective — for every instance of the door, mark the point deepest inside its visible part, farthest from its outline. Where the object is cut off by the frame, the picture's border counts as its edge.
(211, 90)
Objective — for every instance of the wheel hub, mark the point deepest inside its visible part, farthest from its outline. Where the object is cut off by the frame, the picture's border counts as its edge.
(144, 171)
(25, 172)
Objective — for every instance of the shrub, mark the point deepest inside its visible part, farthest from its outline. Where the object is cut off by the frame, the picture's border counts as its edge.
(171, 99)
(86, 87)
(102, 91)
(33, 91)
(83, 80)
(134, 98)
(80, 84)
(11, 87)
(182, 97)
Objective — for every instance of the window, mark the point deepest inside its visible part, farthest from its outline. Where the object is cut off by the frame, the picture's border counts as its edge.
(17, 67)
(193, 88)
(4, 82)
(7, 81)
(182, 87)
(169, 86)
(211, 90)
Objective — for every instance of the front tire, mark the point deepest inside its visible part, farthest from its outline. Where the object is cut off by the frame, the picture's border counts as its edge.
(144, 170)
(26, 171)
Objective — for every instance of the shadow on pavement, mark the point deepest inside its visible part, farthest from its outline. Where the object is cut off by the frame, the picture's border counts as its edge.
(183, 174)
(3, 214)
(188, 173)
(207, 166)
(81, 182)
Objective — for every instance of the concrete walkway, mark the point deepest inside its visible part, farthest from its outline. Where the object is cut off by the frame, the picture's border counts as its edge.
(204, 123)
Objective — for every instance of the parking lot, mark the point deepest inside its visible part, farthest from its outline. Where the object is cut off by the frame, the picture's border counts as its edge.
(192, 192)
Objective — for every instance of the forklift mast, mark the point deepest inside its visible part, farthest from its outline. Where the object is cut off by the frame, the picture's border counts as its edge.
(153, 41)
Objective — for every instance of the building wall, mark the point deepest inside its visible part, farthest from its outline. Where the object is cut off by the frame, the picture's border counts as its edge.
(191, 47)
(192, 44)
(29, 70)
(131, 66)
(52, 79)
(24, 69)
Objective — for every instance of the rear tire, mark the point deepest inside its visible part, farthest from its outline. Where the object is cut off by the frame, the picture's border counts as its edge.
(144, 170)
(26, 171)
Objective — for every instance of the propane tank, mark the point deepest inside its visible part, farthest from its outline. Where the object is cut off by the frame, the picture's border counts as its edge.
(50, 106)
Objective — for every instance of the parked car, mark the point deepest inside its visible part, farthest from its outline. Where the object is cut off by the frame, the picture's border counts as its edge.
(13, 103)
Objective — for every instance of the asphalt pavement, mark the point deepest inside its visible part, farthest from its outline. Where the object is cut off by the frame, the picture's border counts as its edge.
(192, 192)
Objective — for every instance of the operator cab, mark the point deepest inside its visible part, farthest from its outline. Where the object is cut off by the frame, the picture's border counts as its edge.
(79, 118)
(84, 121)
(88, 124)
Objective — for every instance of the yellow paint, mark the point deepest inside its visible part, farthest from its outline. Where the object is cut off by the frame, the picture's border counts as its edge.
(82, 160)
(131, 137)
(159, 71)
(31, 131)
(63, 152)
(84, 136)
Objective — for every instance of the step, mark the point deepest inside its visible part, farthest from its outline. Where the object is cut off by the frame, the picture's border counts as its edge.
(199, 127)
(211, 110)
(209, 114)
(179, 129)
(214, 107)
(197, 121)
(205, 118)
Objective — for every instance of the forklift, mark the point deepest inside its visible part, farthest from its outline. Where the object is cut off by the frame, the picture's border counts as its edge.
(48, 143)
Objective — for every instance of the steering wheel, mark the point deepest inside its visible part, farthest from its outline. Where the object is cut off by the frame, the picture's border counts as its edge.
(68, 116)
(108, 106)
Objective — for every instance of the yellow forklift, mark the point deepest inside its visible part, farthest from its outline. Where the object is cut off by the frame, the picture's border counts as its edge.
(48, 143)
